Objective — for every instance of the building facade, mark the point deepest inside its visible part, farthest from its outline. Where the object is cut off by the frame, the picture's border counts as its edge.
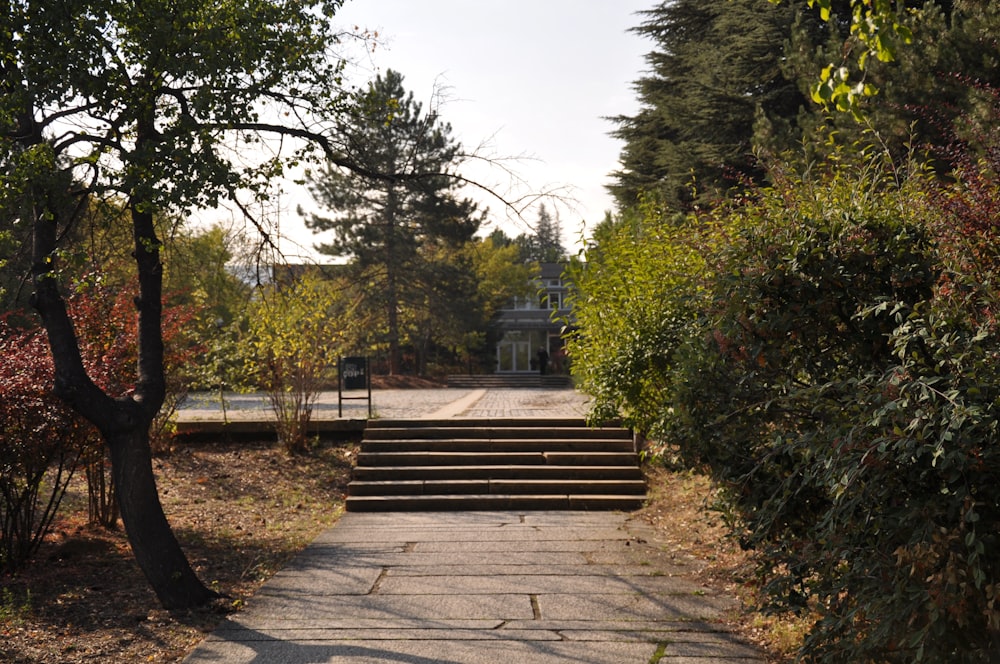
(530, 330)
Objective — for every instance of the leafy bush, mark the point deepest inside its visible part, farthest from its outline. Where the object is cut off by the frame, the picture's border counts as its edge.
(635, 297)
(846, 407)
(832, 362)
(105, 316)
(40, 444)
(292, 344)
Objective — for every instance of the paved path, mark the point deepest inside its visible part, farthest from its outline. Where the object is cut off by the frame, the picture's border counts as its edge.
(386, 404)
(481, 587)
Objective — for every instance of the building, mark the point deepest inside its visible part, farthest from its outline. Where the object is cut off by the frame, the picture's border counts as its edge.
(535, 324)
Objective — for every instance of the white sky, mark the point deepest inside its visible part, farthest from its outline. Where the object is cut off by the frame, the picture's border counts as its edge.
(529, 78)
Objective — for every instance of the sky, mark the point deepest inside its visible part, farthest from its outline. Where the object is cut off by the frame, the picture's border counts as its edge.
(529, 83)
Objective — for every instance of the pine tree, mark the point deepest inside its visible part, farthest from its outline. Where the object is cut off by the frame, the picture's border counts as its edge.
(545, 244)
(389, 216)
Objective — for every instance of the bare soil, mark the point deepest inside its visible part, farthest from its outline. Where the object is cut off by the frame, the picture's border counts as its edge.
(241, 510)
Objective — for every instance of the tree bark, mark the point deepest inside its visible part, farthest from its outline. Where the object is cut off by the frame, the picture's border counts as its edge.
(156, 550)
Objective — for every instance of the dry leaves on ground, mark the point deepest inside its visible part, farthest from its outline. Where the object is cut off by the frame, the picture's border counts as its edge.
(240, 511)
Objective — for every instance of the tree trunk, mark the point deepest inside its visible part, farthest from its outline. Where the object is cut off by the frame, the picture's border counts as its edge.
(395, 353)
(124, 425)
(156, 550)
(391, 287)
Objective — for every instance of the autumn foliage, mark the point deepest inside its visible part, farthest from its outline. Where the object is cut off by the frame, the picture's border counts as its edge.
(42, 442)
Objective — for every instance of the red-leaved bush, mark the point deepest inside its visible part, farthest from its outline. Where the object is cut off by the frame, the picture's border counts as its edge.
(41, 441)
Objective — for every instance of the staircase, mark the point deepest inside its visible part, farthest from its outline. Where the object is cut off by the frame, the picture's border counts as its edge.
(529, 464)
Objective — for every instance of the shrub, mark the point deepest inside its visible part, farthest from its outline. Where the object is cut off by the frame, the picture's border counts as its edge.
(841, 391)
(292, 344)
(40, 444)
(105, 317)
(635, 297)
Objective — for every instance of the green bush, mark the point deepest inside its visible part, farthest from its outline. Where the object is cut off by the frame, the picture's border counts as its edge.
(827, 350)
(635, 296)
(846, 409)
(292, 342)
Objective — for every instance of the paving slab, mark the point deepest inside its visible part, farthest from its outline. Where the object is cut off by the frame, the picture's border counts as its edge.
(474, 587)
(426, 652)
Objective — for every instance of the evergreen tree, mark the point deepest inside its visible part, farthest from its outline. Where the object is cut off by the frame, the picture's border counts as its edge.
(931, 94)
(730, 79)
(389, 216)
(716, 70)
(545, 244)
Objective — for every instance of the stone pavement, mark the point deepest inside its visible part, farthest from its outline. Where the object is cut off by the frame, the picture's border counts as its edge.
(478, 587)
(399, 404)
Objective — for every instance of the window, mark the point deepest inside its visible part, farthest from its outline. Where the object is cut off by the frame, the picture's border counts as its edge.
(551, 300)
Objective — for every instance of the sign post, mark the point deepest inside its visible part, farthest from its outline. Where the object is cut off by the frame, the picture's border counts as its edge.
(353, 374)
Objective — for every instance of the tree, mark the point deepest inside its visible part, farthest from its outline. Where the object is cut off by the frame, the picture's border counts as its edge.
(933, 92)
(876, 29)
(387, 224)
(715, 71)
(545, 244)
(733, 81)
(144, 103)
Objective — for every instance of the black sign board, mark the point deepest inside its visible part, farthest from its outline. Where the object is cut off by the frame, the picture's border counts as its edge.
(353, 376)
(354, 371)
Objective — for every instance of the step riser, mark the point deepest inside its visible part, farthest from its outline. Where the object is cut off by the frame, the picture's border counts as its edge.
(432, 433)
(431, 473)
(511, 381)
(486, 446)
(495, 458)
(491, 503)
(577, 424)
(497, 487)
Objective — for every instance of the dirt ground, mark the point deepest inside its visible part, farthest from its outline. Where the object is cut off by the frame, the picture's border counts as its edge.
(240, 511)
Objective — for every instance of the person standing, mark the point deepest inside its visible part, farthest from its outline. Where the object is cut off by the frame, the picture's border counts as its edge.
(543, 360)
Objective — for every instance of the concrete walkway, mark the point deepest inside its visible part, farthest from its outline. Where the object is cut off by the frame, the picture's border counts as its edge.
(481, 587)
